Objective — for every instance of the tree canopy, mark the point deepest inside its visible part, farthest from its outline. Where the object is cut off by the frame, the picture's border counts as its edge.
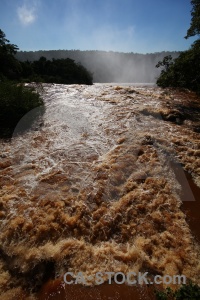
(5, 44)
(184, 70)
(9, 65)
(16, 100)
(195, 20)
(64, 71)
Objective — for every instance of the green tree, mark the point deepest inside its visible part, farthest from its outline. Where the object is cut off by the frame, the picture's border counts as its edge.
(5, 44)
(184, 70)
(9, 66)
(15, 100)
(62, 70)
(195, 20)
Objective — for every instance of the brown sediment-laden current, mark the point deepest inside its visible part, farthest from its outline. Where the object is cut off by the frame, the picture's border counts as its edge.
(93, 189)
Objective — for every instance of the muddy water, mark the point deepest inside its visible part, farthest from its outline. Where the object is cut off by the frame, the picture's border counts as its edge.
(91, 189)
(190, 197)
(56, 290)
(192, 209)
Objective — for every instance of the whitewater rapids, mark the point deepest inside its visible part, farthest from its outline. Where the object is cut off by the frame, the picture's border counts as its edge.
(91, 188)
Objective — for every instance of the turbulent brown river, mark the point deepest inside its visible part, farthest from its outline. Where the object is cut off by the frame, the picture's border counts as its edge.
(99, 185)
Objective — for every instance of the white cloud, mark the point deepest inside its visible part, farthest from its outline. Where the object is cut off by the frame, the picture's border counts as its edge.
(27, 12)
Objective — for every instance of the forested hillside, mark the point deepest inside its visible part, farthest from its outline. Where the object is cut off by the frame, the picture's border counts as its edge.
(184, 71)
(108, 66)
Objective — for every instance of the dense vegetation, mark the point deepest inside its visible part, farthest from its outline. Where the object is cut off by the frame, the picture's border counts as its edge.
(42, 70)
(184, 70)
(188, 291)
(55, 71)
(9, 66)
(107, 66)
(16, 100)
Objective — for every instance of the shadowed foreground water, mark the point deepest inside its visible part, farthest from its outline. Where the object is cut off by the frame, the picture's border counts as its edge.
(57, 291)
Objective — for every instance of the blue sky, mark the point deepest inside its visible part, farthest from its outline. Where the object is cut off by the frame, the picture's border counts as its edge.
(142, 26)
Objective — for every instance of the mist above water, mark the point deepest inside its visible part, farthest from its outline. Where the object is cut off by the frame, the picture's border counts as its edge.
(109, 66)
